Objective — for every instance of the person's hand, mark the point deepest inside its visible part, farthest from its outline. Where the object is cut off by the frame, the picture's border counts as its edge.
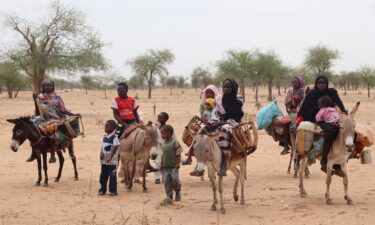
(78, 114)
(34, 96)
(346, 112)
(293, 129)
(178, 166)
(101, 156)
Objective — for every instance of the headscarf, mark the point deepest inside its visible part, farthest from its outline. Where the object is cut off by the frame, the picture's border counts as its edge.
(211, 101)
(319, 78)
(232, 105)
(45, 82)
(309, 107)
(211, 87)
(301, 80)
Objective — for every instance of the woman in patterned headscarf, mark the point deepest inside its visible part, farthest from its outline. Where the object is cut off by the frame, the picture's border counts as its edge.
(293, 101)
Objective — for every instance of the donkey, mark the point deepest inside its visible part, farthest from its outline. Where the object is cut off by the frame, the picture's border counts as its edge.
(208, 152)
(24, 129)
(341, 148)
(134, 153)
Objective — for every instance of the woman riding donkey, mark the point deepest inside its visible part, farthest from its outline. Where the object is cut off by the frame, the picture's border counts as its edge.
(227, 114)
(207, 96)
(51, 110)
(309, 110)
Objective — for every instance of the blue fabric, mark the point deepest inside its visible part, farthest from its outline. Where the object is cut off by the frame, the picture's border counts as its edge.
(266, 114)
(107, 172)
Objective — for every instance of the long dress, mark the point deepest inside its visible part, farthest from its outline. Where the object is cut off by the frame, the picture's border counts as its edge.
(218, 115)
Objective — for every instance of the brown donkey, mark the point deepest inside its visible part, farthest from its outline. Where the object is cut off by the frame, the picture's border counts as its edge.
(341, 148)
(24, 130)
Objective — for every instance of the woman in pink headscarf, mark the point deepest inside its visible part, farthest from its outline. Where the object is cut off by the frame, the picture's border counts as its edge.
(293, 101)
(209, 92)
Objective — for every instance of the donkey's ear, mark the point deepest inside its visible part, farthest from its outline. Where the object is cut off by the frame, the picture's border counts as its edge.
(12, 121)
(355, 109)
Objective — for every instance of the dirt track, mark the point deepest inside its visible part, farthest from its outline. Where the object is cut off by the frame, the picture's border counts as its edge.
(272, 196)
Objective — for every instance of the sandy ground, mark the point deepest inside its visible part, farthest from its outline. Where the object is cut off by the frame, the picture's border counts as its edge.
(272, 195)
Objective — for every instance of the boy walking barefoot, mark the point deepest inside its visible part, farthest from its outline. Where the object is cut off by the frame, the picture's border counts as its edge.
(170, 165)
(109, 159)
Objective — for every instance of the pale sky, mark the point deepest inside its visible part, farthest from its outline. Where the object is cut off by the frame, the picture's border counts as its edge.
(199, 31)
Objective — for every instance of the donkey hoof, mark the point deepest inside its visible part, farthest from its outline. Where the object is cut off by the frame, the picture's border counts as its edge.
(37, 183)
(295, 176)
(222, 211)
(45, 184)
(307, 175)
(350, 202)
(235, 197)
(288, 171)
(145, 190)
(57, 179)
(76, 178)
(242, 202)
(213, 208)
(303, 194)
(329, 202)
(129, 189)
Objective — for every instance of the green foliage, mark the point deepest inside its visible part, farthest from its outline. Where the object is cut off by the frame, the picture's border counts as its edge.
(239, 65)
(367, 74)
(320, 59)
(171, 82)
(151, 65)
(201, 77)
(11, 78)
(180, 82)
(136, 82)
(60, 42)
(87, 82)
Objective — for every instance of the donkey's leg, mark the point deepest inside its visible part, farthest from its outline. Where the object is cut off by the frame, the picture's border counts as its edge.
(290, 160)
(328, 182)
(212, 177)
(45, 168)
(222, 210)
(236, 173)
(297, 165)
(144, 179)
(39, 163)
(302, 167)
(307, 172)
(61, 164)
(349, 201)
(74, 158)
(242, 180)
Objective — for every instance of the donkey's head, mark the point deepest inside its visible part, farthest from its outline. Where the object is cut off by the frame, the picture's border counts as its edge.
(347, 127)
(204, 149)
(20, 132)
(151, 137)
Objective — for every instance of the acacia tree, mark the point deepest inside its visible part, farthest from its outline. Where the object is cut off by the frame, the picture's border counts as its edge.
(171, 83)
(136, 82)
(367, 74)
(151, 65)
(268, 67)
(11, 78)
(62, 42)
(87, 82)
(200, 77)
(239, 64)
(320, 59)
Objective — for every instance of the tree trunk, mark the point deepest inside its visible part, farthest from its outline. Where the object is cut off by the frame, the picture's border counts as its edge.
(10, 91)
(344, 89)
(149, 90)
(356, 87)
(285, 89)
(368, 90)
(86, 90)
(278, 89)
(16, 94)
(243, 90)
(256, 94)
(105, 93)
(269, 90)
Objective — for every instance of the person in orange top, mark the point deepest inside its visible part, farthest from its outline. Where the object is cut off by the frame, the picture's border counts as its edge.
(125, 108)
